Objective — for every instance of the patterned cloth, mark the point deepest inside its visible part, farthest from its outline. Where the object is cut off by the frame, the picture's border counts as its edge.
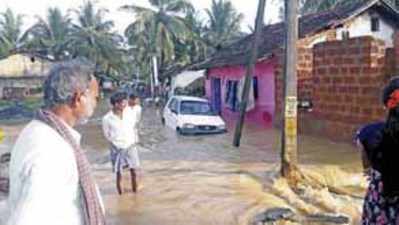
(94, 214)
(377, 210)
(124, 158)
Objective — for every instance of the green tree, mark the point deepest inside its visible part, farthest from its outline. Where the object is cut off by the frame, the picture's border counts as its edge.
(11, 35)
(51, 36)
(314, 6)
(156, 30)
(195, 47)
(92, 37)
(224, 24)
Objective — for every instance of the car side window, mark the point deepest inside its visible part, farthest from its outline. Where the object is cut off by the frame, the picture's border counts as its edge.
(171, 103)
(173, 106)
(176, 107)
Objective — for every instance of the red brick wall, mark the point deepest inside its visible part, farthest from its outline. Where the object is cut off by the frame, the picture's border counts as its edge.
(348, 77)
(304, 74)
(344, 81)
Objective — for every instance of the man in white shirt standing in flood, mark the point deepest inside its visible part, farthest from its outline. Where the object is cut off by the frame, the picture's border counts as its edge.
(50, 177)
(118, 127)
(135, 109)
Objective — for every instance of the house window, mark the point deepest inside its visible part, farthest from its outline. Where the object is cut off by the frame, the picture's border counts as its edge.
(375, 24)
(345, 35)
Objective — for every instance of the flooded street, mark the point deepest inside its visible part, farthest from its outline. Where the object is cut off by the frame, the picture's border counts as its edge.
(204, 180)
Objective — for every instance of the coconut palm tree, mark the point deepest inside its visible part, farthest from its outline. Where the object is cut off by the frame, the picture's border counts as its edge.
(313, 6)
(51, 36)
(11, 35)
(142, 49)
(224, 23)
(195, 47)
(157, 29)
(92, 37)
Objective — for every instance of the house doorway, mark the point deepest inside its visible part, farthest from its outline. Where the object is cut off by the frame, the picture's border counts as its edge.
(216, 95)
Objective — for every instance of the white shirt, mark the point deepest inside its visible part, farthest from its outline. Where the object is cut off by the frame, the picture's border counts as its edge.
(134, 114)
(119, 131)
(44, 179)
(136, 109)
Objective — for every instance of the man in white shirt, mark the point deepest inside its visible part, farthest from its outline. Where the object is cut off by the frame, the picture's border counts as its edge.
(119, 131)
(135, 111)
(50, 179)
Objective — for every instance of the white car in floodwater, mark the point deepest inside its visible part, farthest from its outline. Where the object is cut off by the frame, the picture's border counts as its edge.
(192, 115)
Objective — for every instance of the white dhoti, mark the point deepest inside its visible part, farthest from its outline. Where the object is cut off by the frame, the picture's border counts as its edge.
(124, 158)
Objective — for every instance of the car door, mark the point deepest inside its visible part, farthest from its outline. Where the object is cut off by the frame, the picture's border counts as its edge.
(168, 112)
(174, 113)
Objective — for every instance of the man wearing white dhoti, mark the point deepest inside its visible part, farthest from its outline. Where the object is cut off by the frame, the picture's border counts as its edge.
(119, 131)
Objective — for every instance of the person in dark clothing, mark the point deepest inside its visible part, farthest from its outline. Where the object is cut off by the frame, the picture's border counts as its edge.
(368, 139)
(380, 144)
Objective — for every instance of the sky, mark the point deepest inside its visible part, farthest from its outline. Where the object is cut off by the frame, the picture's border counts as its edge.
(31, 8)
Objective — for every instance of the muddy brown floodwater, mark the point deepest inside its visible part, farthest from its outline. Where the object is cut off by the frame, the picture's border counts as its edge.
(203, 180)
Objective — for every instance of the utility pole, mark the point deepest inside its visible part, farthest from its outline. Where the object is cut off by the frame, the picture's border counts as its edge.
(155, 63)
(154, 79)
(289, 156)
(250, 71)
(137, 75)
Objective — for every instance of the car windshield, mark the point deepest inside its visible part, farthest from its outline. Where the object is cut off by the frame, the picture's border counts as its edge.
(195, 108)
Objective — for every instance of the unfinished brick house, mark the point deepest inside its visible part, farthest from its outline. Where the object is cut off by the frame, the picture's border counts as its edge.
(345, 56)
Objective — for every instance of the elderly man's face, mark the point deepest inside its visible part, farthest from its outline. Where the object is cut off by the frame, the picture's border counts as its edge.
(88, 101)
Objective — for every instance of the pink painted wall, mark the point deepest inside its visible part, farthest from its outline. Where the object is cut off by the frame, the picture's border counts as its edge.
(265, 104)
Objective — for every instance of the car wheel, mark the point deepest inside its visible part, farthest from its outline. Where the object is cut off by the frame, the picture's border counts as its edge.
(179, 131)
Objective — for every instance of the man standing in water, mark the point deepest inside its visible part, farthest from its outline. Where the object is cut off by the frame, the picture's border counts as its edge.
(50, 178)
(118, 130)
(135, 111)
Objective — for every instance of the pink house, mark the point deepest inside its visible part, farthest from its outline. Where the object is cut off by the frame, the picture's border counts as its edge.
(263, 88)
(226, 68)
